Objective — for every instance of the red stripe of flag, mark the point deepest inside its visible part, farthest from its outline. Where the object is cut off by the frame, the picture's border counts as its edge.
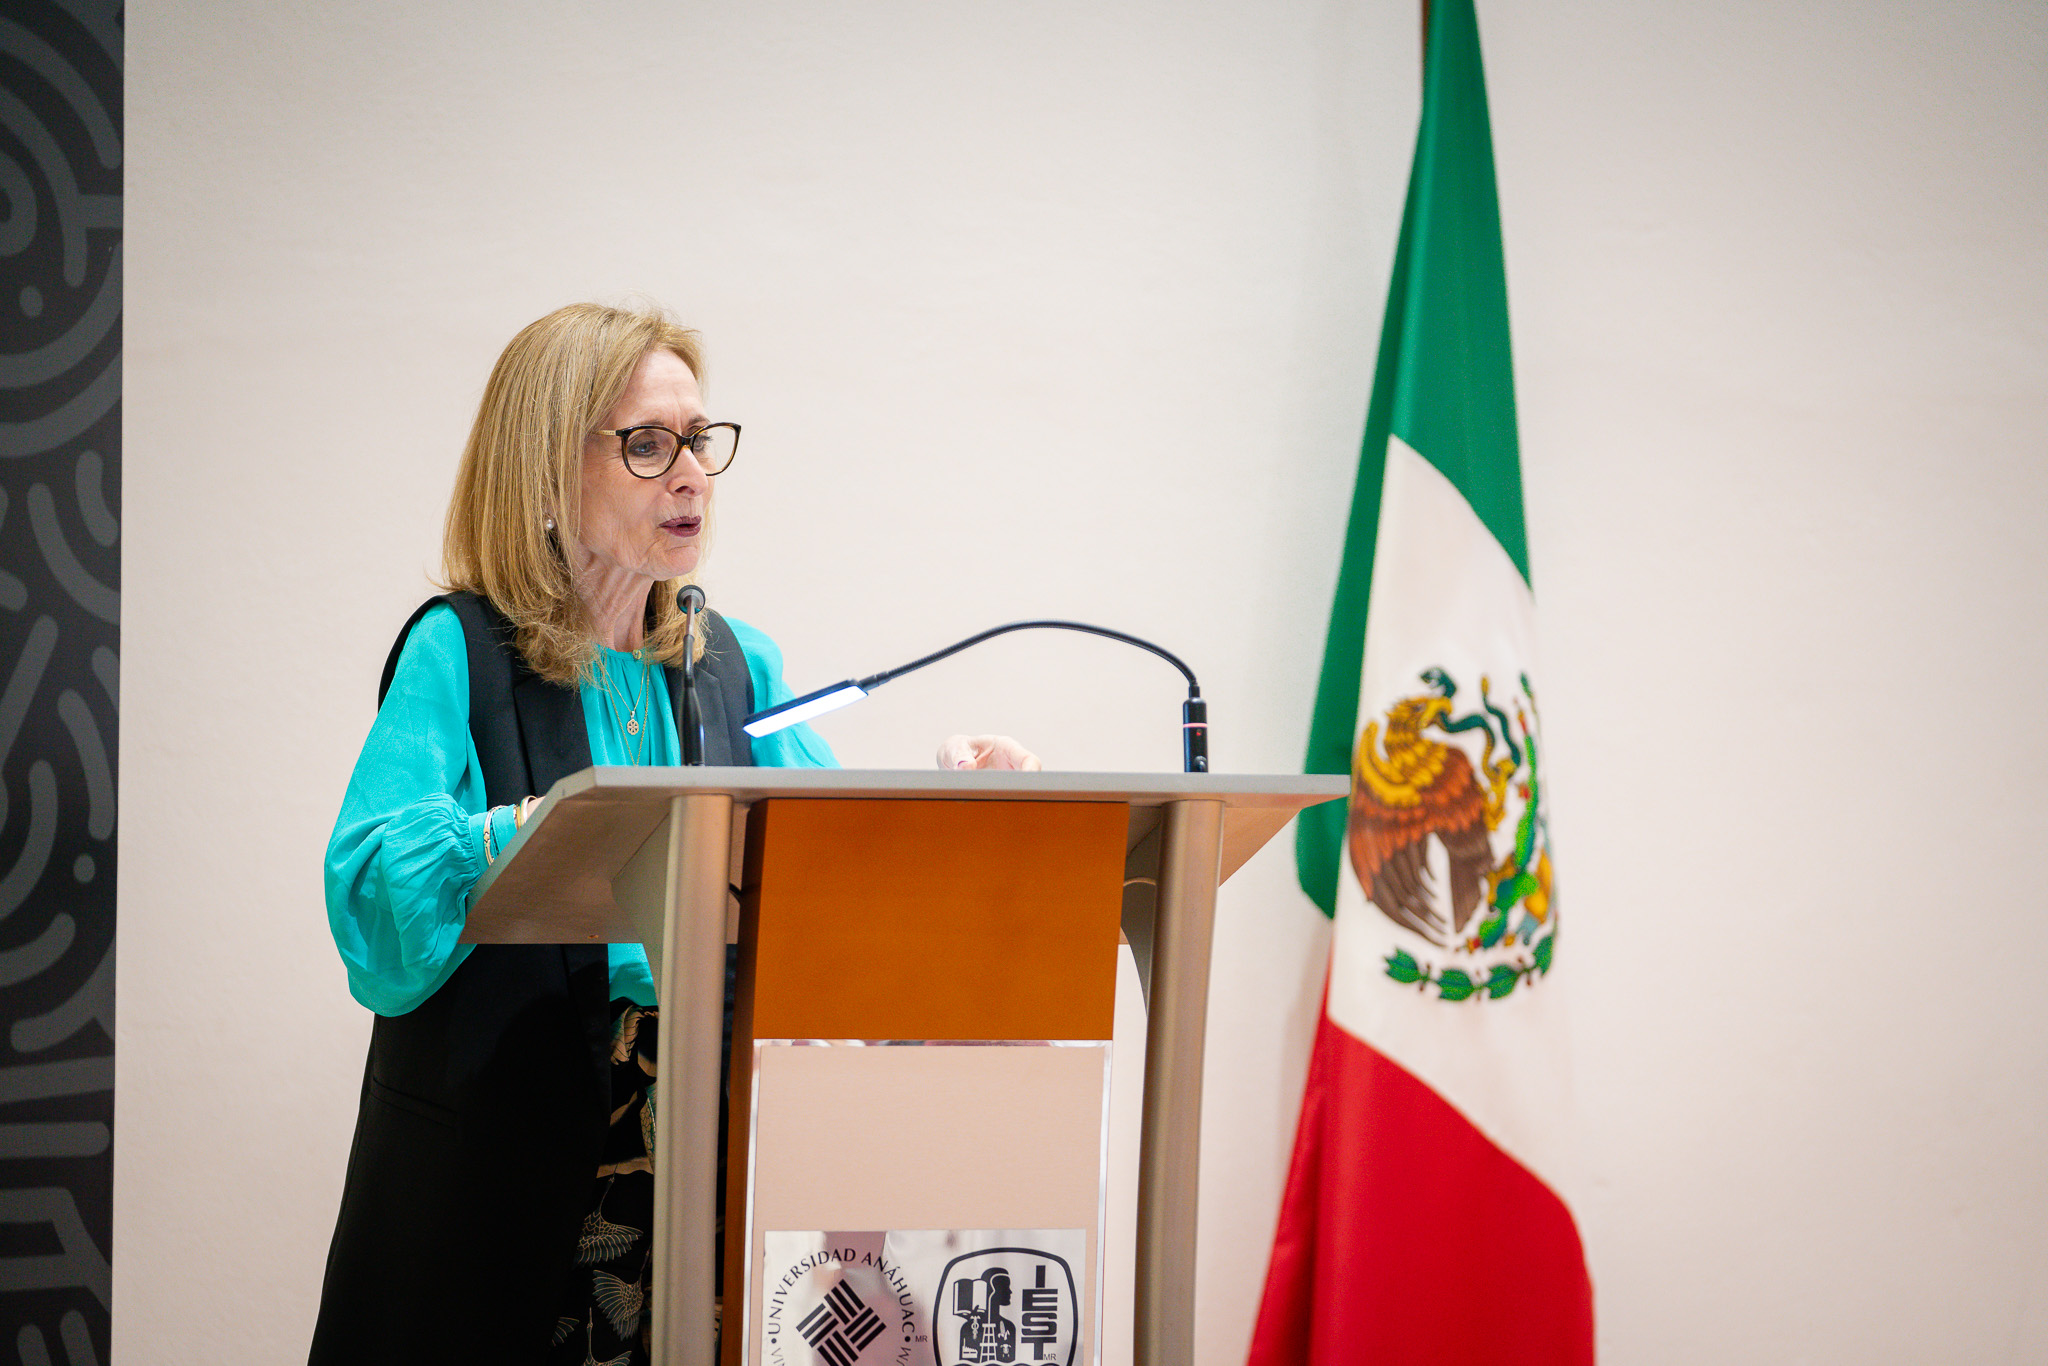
(1439, 1248)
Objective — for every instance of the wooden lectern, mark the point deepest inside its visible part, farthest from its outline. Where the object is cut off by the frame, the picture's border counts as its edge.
(921, 1040)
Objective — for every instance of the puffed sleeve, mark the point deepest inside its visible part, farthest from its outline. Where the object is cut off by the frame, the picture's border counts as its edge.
(797, 747)
(408, 845)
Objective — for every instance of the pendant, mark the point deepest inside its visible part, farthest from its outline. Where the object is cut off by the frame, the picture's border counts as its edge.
(633, 725)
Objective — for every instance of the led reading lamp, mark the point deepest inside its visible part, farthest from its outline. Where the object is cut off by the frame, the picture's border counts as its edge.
(1194, 712)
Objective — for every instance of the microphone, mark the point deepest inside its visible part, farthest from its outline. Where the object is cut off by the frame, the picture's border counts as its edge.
(1194, 713)
(691, 732)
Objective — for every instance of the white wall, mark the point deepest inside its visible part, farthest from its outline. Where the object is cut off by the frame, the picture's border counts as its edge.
(1070, 309)
(1779, 277)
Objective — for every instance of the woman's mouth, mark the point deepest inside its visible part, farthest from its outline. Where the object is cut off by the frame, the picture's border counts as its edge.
(683, 527)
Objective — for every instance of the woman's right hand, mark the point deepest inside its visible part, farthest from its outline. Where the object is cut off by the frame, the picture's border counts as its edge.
(986, 751)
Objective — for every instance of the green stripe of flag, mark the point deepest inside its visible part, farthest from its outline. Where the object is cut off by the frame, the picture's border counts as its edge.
(1443, 383)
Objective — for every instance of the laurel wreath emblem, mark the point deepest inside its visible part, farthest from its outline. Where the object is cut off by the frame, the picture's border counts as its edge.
(1456, 984)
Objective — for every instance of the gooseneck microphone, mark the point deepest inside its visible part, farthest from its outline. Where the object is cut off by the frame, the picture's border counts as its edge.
(1194, 713)
(691, 601)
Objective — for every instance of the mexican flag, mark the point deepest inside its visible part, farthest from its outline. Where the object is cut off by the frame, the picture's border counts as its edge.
(1422, 1220)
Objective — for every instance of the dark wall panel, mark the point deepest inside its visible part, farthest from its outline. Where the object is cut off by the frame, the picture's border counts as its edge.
(60, 579)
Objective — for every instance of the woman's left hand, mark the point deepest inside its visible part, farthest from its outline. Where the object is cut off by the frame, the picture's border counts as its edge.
(986, 751)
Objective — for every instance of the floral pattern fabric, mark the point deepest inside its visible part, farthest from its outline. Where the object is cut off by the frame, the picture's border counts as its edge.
(603, 1318)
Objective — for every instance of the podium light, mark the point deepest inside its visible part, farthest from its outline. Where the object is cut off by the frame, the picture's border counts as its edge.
(800, 709)
(1194, 713)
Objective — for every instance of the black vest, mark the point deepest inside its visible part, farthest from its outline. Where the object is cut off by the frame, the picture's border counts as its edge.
(483, 1109)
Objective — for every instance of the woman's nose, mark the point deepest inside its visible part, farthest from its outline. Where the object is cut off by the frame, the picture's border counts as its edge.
(687, 474)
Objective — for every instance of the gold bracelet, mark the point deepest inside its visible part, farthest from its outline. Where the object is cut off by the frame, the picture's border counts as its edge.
(489, 857)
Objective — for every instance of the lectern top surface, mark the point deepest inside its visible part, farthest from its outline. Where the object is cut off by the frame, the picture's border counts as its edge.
(1292, 790)
(553, 883)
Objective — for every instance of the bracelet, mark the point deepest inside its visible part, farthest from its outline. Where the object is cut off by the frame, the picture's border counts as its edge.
(524, 809)
(489, 857)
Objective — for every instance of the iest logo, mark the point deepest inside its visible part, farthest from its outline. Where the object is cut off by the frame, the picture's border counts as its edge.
(1448, 834)
(1006, 1304)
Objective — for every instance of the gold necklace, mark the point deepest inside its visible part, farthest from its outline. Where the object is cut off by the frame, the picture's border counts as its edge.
(630, 722)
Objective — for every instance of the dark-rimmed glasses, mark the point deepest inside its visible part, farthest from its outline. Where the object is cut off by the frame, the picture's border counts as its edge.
(650, 451)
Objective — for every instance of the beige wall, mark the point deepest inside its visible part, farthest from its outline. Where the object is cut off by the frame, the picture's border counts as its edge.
(1070, 309)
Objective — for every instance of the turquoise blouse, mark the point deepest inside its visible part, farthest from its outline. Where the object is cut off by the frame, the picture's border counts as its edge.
(408, 846)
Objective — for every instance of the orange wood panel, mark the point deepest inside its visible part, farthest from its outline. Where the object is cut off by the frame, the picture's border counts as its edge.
(934, 919)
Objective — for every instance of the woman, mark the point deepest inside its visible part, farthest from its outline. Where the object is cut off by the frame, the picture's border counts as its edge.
(499, 1190)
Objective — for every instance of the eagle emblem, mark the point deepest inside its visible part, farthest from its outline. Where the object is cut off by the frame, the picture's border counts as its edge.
(1431, 793)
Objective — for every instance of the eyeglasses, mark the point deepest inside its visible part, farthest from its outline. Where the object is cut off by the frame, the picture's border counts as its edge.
(651, 451)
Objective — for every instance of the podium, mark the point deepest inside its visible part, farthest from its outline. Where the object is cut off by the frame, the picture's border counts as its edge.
(917, 1136)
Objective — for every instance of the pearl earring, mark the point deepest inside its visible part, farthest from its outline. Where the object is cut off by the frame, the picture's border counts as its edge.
(551, 524)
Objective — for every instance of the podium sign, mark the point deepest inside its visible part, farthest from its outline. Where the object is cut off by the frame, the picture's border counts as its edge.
(925, 1295)
(917, 1100)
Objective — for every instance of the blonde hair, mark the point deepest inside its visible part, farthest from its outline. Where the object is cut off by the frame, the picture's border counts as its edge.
(523, 465)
